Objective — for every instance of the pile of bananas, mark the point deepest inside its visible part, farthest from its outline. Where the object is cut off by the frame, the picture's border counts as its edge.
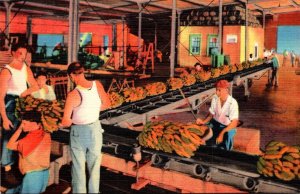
(246, 64)
(188, 79)
(224, 69)
(134, 94)
(183, 139)
(174, 83)
(239, 67)
(281, 161)
(233, 68)
(116, 99)
(52, 111)
(215, 72)
(202, 76)
(155, 88)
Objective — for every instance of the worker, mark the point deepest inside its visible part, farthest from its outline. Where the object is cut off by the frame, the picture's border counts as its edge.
(251, 58)
(34, 154)
(45, 91)
(197, 68)
(285, 56)
(14, 79)
(275, 67)
(267, 55)
(293, 57)
(81, 112)
(223, 117)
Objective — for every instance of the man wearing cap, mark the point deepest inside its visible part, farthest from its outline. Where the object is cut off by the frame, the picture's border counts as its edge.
(81, 112)
(223, 117)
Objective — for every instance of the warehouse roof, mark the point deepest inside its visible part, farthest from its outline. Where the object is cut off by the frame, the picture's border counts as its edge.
(116, 9)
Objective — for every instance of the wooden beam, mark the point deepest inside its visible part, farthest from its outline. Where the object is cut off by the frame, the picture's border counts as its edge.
(195, 2)
(294, 3)
(260, 1)
(31, 11)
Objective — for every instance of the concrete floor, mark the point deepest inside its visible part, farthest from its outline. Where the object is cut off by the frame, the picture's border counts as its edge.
(273, 111)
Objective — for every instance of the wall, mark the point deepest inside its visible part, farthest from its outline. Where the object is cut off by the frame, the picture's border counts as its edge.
(255, 36)
(236, 51)
(232, 49)
(271, 33)
(184, 58)
(286, 19)
(59, 26)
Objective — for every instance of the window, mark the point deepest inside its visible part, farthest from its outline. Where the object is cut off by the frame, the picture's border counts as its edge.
(212, 43)
(195, 44)
(48, 42)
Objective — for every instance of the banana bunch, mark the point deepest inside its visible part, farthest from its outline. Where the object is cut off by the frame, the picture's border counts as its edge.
(52, 111)
(183, 139)
(188, 79)
(202, 76)
(175, 83)
(215, 72)
(116, 99)
(255, 63)
(233, 68)
(155, 88)
(246, 64)
(239, 67)
(224, 69)
(281, 161)
(134, 94)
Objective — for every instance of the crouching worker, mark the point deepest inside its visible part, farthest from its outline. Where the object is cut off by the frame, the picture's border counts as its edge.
(34, 154)
(222, 118)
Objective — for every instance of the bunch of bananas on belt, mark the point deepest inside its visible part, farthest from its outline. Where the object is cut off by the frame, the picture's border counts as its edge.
(175, 83)
(281, 161)
(183, 139)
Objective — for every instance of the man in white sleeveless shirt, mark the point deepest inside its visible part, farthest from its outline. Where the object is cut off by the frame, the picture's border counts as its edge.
(81, 112)
(14, 79)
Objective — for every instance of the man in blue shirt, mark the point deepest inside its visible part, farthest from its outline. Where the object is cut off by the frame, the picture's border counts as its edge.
(275, 67)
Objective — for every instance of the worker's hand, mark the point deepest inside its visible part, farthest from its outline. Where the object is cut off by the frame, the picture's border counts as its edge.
(7, 125)
(23, 94)
(220, 138)
(65, 123)
(200, 122)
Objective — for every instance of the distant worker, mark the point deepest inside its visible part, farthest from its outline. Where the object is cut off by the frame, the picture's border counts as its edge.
(251, 58)
(275, 67)
(223, 117)
(43, 51)
(197, 68)
(45, 92)
(293, 57)
(267, 54)
(285, 56)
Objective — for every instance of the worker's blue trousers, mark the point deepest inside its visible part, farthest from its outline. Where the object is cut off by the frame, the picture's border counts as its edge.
(8, 157)
(86, 144)
(217, 127)
(33, 182)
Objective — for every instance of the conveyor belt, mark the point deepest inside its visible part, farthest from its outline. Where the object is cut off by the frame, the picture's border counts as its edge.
(236, 166)
(154, 102)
